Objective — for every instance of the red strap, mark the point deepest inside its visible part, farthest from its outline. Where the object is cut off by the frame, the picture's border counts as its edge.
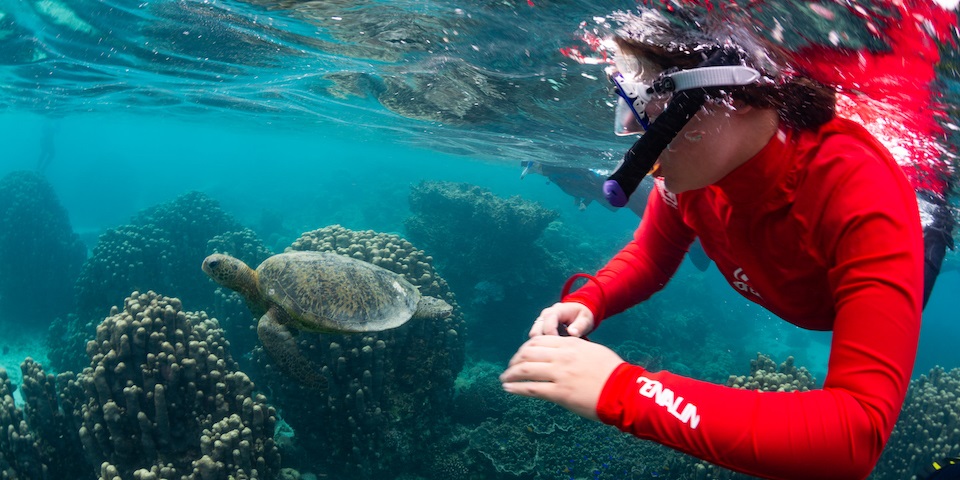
(601, 307)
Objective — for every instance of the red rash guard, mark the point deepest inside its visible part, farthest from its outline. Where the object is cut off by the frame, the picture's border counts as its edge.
(822, 229)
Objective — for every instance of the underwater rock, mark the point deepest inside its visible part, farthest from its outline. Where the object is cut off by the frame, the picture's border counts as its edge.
(388, 392)
(40, 253)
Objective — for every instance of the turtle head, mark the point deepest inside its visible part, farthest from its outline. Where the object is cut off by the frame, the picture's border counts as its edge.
(230, 272)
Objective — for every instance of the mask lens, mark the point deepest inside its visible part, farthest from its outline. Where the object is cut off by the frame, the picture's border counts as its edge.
(626, 121)
(630, 117)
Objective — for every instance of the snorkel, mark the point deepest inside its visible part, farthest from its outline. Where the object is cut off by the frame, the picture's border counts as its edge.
(688, 97)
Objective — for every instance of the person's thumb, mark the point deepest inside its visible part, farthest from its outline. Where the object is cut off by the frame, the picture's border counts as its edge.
(582, 325)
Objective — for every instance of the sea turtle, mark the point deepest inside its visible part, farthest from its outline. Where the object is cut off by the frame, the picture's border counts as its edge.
(320, 292)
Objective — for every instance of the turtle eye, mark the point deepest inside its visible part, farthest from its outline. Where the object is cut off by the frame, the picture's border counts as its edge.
(214, 263)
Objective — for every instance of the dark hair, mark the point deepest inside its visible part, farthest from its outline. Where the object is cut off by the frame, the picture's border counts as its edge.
(801, 102)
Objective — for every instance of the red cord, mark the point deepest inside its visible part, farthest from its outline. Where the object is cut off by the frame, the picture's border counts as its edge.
(601, 308)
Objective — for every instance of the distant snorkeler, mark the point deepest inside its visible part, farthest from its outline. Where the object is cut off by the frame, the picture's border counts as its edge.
(586, 186)
(804, 211)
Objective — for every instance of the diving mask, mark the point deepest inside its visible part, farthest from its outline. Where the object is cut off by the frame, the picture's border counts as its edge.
(630, 114)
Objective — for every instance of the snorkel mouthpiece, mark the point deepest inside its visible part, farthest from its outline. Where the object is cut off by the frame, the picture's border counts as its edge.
(685, 103)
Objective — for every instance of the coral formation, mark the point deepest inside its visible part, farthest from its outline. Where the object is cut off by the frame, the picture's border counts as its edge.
(160, 250)
(40, 253)
(518, 437)
(388, 392)
(463, 221)
(928, 428)
(160, 399)
(37, 441)
(163, 396)
(767, 377)
(487, 246)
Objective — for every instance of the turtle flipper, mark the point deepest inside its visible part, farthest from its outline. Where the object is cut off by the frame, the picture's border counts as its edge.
(279, 342)
(432, 308)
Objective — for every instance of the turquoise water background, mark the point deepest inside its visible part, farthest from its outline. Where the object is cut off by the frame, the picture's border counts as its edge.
(297, 115)
(107, 168)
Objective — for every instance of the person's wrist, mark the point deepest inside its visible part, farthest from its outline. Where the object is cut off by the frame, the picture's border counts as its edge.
(611, 407)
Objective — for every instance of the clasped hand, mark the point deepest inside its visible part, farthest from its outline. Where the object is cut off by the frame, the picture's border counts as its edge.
(568, 371)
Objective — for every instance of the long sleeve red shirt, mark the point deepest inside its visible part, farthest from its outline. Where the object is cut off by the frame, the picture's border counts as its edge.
(822, 229)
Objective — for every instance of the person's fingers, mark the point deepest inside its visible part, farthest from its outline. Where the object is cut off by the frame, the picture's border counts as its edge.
(536, 329)
(581, 325)
(531, 353)
(541, 390)
(529, 372)
(546, 323)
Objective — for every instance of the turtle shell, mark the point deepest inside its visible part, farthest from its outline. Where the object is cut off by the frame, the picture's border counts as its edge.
(327, 292)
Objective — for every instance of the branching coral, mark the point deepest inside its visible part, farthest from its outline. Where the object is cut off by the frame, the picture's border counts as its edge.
(928, 428)
(162, 387)
(766, 376)
(160, 399)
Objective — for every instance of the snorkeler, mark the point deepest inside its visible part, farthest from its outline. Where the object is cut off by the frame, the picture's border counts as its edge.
(803, 212)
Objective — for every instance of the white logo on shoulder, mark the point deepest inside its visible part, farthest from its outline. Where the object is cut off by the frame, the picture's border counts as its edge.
(667, 399)
(668, 197)
(742, 283)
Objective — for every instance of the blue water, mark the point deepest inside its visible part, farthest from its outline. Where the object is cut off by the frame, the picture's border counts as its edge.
(108, 168)
(148, 101)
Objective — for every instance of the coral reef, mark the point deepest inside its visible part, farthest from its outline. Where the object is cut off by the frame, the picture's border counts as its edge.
(37, 441)
(487, 247)
(160, 250)
(164, 399)
(160, 399)
(767, 377)
(499, 435)
(467, 223)
(40, 253)
(388, 392)
(928, 428)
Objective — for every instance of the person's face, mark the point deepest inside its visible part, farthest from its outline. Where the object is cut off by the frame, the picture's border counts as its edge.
(703, 152)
